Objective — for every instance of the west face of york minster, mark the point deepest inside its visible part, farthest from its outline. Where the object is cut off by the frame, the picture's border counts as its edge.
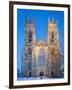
(41, 58)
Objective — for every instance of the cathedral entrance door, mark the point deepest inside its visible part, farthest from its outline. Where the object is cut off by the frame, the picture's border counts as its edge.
(41, 73)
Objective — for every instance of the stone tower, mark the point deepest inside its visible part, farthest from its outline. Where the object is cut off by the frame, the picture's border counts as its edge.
(53, 49)
(28, 46)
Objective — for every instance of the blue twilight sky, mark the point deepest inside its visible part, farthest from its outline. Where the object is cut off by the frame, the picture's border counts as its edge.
(41, 20)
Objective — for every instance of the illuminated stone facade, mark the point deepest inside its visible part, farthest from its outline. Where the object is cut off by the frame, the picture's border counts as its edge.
(41, 57)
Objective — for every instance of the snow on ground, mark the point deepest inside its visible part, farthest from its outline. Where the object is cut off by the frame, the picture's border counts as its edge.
(32, 78)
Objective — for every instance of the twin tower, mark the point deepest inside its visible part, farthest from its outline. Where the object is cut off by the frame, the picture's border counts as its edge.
(41, 57)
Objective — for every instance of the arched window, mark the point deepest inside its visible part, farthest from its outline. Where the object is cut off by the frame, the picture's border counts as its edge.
(29, 51)
(41, 57)
(29, 66)
(52, 38)
(30, 36)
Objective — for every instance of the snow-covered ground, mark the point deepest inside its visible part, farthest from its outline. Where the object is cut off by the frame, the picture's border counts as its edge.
(33, 78)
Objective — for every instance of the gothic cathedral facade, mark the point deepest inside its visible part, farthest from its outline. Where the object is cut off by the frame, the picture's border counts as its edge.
(40, 57)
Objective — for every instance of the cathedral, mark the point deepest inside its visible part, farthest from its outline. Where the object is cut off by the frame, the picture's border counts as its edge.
(41, 58)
